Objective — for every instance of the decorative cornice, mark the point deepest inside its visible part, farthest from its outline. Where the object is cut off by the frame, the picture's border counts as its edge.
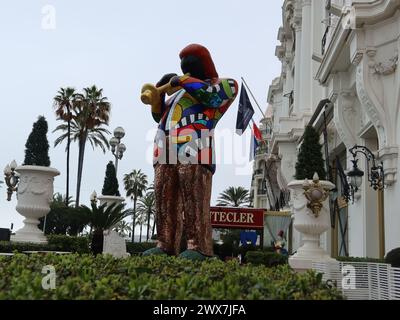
(357, 57)
(374, 11)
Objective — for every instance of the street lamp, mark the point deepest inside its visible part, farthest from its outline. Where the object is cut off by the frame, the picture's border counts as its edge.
(117, 148)
(11, 178)
(93, 197)
(376, 175)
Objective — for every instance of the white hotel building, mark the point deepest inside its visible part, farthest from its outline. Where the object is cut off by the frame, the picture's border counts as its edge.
(339, 74)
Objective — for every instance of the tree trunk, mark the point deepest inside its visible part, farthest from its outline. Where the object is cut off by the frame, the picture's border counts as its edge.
(97, 242)
(154, 226)
(140, 237)
(81, 156)
(134, 218)
(148, 226)
(68, 153)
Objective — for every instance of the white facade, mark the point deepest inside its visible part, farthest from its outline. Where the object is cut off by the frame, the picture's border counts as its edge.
(339, 73)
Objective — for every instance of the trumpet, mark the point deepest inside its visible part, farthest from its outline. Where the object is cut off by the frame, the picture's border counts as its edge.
(150, 94)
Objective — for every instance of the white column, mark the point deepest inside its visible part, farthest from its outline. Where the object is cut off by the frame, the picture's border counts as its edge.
(297, 65)
(306, 58)
(318, 30)
(392, 217)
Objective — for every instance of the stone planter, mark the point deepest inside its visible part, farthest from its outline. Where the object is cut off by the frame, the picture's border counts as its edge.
(35, 192)
(110, 200)
(310, 226)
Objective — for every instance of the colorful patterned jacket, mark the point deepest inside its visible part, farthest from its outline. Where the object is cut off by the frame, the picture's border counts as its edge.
(187, 121)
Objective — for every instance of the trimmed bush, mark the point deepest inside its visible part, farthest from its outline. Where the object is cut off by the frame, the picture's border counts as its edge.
(110, 186)
(393, 258)
(358, 259)
(139, 247)
(309, 159)
(70, 244)
(88, 277)
(268, 259)
(37, 145)
(55, 243)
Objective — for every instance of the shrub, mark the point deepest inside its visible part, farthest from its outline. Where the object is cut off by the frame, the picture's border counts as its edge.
(37, 145)
(88, 277)
(110, 186)
(393, 258)
(225, 250)
(358, 259)
(139, 247)
(63, 219)
(103, 218)
(55, 243)
(268, 259)
(309, 159)
(70, 244)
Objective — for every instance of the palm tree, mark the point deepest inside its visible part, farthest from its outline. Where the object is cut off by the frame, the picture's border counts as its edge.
(135, 184)
(103, 218)
(146, 208)
(140, 221)
(123, 228)
(63, 103)
(234, 197)
(91, 112)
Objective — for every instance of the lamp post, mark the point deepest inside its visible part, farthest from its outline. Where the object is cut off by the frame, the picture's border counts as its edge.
(375, 172)
(11, 179)
(93, 197)
(117, 148)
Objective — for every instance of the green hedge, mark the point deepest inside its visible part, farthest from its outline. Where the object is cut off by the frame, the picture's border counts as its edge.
(55, 243)
(265, 258)
(156, 277)
(139, 247)
(358, 259)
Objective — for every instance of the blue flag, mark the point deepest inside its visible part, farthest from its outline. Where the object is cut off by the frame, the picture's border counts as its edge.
(245, 112)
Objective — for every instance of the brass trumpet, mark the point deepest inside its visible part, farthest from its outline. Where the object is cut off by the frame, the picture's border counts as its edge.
(150, 94)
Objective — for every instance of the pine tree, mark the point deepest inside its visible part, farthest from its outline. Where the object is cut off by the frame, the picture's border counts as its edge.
(37, 145)
(309, 159)
(111, 186)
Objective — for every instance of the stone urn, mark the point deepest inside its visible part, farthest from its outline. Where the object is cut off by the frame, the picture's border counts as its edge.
(35, 192)
(310, 203)
(109, 200)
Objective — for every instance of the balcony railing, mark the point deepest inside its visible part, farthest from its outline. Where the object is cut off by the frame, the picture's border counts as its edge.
(261, 191)
(323, 44)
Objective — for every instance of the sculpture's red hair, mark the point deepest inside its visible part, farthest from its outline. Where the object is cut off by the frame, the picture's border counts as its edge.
(198, 50)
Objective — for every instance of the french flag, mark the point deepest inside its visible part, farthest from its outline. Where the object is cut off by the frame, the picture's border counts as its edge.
(256, 138)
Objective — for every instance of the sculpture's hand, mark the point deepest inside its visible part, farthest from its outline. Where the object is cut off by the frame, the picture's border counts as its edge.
(175, 81)
(165, 79)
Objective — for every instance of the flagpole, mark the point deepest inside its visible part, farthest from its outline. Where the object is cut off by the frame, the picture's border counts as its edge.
(259, 108)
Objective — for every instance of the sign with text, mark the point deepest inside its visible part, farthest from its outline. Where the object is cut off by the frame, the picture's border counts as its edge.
(240, 218)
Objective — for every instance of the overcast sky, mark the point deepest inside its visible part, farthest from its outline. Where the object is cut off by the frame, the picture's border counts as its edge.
(119, 45)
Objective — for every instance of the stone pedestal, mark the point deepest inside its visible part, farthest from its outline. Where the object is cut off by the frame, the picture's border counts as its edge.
(35, 192)
(310, 226)
(110, 200)
(114, 244)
